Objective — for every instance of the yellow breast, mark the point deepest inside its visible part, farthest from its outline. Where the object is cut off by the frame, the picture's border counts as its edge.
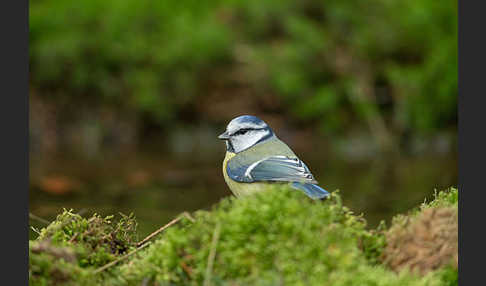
(239, 189)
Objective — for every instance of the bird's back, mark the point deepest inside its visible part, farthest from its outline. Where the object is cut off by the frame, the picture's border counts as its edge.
(271, 147)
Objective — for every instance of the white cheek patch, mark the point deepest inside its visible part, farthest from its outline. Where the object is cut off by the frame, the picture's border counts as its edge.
(241, 143)
(245, 141)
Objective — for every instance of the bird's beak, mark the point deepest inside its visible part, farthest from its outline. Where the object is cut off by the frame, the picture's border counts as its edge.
(224, 136)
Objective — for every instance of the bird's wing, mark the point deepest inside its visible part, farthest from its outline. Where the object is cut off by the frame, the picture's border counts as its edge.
(273, 168)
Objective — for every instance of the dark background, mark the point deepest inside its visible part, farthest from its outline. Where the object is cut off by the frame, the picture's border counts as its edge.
(127, 97)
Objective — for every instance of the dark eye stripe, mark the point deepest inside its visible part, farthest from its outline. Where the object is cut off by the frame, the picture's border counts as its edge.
(241, 131)
(244, 130)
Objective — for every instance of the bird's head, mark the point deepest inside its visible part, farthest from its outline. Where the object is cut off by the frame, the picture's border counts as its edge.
(244, 132)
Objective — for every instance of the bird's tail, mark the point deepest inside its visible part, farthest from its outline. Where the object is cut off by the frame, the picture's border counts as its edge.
(313, 191)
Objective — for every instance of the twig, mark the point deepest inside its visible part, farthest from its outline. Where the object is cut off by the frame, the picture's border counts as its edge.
(35, 230)
(39, 219)
(212, 254)
(188, 216)
(185, 214)
(108, 265)
(158, 231)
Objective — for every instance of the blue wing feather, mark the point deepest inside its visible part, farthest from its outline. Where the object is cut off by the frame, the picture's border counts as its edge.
(313, 191)
(274, 168)
(277, 169)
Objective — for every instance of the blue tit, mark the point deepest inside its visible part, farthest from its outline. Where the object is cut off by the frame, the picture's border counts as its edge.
(255, 157)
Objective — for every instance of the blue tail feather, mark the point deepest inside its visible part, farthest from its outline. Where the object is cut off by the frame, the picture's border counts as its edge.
(313, 191)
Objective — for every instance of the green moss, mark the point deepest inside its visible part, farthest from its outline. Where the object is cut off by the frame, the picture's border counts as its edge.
(278, 236)
(447, 198)
(275, 237)
(55, 265)
(372, 244)
(448, 276)
(69, 248)
(427, 238)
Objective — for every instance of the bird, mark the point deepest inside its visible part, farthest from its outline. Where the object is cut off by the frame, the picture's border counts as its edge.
(256, 157)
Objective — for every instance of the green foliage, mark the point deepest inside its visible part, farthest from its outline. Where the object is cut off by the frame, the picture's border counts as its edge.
(144, 55)
(333, 62)
(324, 56)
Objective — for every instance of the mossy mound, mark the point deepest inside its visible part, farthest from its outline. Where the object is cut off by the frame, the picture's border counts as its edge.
(53, 265)
(71, 247)
(277, 237)
(271, 238)
(427, 239)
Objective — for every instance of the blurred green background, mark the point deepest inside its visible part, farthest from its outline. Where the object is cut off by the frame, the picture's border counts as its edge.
(127, 98)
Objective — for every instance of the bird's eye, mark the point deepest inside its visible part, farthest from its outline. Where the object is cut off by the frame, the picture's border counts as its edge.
(241, 132)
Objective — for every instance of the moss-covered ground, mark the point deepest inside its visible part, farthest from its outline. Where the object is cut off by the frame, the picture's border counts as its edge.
(277, 237)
